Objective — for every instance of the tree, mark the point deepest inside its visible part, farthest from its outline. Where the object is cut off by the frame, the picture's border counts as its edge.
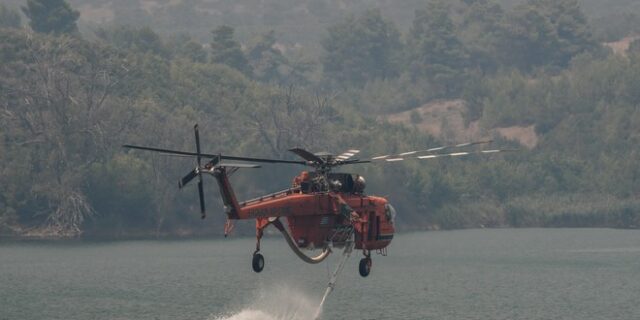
(634, 46)
(284, 118)
(193, 51)
(362, 49)
(9, 18)
(480, 30)
(143, 40)
(130, 13)
(547, 33)
(226, 50)
(435, 51)
(59, 119)
(51, 16)
(265, 59)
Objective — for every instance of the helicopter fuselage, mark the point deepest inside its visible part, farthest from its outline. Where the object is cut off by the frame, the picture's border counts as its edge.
(321, 218)
(319, 211)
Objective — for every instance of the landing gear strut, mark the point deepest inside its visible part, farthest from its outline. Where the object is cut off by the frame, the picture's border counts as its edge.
(257, 262)
(365, 265)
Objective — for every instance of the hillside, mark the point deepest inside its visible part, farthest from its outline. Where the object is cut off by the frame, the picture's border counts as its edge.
(621, 46)
(295, 22)
(446, 120)
(70, 96)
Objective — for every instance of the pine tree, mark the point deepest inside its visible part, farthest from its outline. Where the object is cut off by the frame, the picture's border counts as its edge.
(433, 42)
(480, 30)
(265, 59)
(226, 50)
(362, 49)
(51, 16)
(547, 33)
(435, 52)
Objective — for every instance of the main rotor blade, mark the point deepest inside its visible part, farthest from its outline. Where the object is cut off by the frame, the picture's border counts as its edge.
(408, 153)
(197, 134)
(201, 195)
(200, 183)
(210, 155)
(458, 154)
(347, 155)
(431, 156)
(304, 154)
(239, 165)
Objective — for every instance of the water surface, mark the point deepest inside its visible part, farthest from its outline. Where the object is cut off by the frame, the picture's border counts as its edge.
(473, 274)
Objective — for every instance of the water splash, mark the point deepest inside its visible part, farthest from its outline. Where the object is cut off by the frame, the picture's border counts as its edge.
(285, 303)
(277, 303)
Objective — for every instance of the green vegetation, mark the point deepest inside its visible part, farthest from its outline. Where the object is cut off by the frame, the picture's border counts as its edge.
(9, 18)
(51, 16)
(435, 52)
(361, 48)
(68, 100)
(226, 50)
(548, 33)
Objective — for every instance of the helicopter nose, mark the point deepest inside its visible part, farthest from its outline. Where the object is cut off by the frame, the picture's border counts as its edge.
(391, 213)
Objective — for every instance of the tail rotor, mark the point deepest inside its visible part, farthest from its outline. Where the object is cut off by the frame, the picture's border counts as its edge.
(203, 213)
(197, 172)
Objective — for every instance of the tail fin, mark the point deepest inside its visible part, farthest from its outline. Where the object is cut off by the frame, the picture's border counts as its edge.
(232, 208)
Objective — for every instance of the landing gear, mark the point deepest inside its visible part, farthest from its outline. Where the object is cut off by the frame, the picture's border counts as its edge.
(258, 262)
(365, 266)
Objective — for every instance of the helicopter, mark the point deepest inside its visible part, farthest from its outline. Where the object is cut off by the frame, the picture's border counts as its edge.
(322, 209)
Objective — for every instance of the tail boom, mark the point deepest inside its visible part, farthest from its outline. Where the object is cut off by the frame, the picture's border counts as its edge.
(232, 208)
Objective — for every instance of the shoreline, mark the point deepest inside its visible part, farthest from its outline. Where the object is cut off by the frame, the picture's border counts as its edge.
(210, 236)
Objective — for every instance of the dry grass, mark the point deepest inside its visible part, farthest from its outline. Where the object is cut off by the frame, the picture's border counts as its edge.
(621, 46)
(445, 119)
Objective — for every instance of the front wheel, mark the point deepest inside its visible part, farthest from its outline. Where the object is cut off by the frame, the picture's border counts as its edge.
(258, 262)
(365, 267)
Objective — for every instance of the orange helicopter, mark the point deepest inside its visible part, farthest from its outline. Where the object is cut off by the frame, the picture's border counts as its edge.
(322, 210)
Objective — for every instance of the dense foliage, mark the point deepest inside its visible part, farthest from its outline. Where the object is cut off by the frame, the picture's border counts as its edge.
(9, 18)
(51, 16)
(69, 100)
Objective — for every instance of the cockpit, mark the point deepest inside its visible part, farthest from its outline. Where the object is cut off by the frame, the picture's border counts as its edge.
(390, 213)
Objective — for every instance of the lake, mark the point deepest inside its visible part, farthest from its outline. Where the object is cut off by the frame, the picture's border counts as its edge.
(470, 274)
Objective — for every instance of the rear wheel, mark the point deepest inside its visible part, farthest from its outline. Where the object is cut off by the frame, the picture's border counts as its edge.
(258, 262)
(365, 266)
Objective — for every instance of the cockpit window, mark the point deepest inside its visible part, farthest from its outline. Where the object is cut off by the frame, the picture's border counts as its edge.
(390, 212)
